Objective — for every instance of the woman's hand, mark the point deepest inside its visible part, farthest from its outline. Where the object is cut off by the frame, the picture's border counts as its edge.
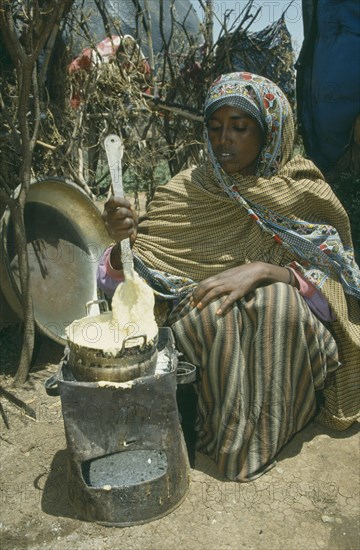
(236, 283)
(121, 219)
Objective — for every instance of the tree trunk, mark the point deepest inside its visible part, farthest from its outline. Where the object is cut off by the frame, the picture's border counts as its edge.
(17, 215)
(26, 74)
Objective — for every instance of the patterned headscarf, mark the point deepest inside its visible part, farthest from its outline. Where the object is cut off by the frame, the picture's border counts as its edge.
(318, 246)
(265, 102)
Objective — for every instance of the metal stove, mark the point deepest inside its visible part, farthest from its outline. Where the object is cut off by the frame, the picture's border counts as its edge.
(127, 459)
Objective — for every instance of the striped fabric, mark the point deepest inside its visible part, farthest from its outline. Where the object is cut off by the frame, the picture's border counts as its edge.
(262, 362)
(260, 365)
(194, 229)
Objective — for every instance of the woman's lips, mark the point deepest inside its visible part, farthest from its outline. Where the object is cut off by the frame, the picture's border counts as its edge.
(224, 156)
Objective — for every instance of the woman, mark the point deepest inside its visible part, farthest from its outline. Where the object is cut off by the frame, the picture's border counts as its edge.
(269, 322)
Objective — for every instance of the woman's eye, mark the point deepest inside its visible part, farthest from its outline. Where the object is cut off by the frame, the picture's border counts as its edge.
(218, 128)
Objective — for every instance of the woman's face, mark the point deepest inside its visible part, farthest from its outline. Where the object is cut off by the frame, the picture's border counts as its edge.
(236, 139)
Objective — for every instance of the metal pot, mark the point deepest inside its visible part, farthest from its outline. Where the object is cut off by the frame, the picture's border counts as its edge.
(135, 361)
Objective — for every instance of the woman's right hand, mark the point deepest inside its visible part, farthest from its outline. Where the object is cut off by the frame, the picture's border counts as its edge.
(121, 219)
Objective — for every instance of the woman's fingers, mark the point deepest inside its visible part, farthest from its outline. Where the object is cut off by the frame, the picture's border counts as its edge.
(228, 302)
(116, 202)
(221, 280)
(211, 289)
(120, 225)
(203, 289)
(118, 213)
(215, 293)
(235, 283)
(120, 218)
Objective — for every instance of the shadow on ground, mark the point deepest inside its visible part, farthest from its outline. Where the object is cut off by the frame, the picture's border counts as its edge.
(56, 495)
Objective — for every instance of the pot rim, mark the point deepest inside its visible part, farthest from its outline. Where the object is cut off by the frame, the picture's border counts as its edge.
(147, 347)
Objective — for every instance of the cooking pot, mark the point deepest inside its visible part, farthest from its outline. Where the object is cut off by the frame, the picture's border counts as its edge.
(136, 358)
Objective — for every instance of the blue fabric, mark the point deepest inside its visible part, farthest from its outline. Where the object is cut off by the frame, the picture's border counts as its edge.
(331, 99)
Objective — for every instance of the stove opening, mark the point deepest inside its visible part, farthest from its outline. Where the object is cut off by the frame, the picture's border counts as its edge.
(124, 468)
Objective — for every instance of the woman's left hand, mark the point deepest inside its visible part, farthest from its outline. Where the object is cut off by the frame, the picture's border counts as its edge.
(236, 283)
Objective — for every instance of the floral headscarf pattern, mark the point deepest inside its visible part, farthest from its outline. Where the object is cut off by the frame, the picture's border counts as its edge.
(317, 246)
(265, 102)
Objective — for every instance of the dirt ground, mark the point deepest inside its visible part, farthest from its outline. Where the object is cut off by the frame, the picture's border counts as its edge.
(309, 500)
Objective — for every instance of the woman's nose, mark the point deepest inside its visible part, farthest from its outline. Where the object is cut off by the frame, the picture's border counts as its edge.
(225, 136)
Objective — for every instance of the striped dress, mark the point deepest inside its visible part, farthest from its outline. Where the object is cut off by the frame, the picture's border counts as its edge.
(260, 366)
